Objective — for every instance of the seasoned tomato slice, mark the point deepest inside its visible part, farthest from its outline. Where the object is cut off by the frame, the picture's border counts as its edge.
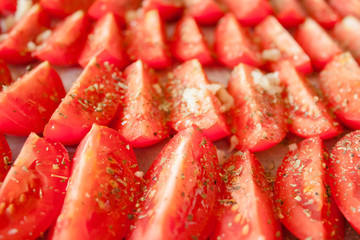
(100, 208)
(5, 158)
(33, 191)
(246, 205)
(63, 8)
(303, 196)
(205, 11)
(8, 6)
(290, 13)
(27, 105)
(321, 12)
(346, 7)
(181, 189)
(5, 75)
(168, 9)
(94, 98)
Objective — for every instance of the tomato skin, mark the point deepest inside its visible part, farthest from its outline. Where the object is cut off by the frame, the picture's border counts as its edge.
(181, 189)
(108, 167)
(63, 8)
(5, 158)
(247, 209)
(140, 120)
(5, 75)
(258, 119)
(205, 12)
(106, 44)
(290, 13)
(67, 40)
(27, 105)
(321, 12)
(190, 78)
(93, 98)
(168, 9)
(302, 195)
(14, 48)
(8, 6)
(346, 7)
(33, 191)
(188, 42)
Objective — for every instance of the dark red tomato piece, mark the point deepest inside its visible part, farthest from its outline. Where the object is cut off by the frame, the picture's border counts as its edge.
(33, 191)
(188, 42)
(5, 158)
(94, 98)
(272, 35)
(290, 13)
(63, 8)
(8, 6)
(168, 9)
(105, 42)
(344, 177)
(233, 44)
(258, 119)
(308, 116)
(182, 186)
(340, 82)
(205, 11)
(64, 45)
(100, 208)
(146, 41)
(141, 120)
(346, 7)
(5, 75)
(247, 209)
(315, 41)
(190, 102)
(249, 12)
(303, 196)
(27, 105)
(321, 12)
(17, 46)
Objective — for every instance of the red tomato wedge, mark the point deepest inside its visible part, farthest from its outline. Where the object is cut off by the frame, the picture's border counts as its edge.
(188, 42)
(302, 195)
(5, 158)
(315, 41)
(16, 48)
(33, 191)
(347, 33)
(5, 75)
(258, 119)
(272, 35)
(64, 45)
(146, 41)
(340, 82)
(100, 208)
(94, 98)
(141, 121)
(346, 7)
(205, 11)
(321, 12)
(344, 178)
(190, 102)
(249, 12)
(290, 13)
(308, 116)
(63, 8)
(8, 6)
(27, 105)
(168, 9)
(106, 43)
(181, 190)
(246, 201)
(233, 44)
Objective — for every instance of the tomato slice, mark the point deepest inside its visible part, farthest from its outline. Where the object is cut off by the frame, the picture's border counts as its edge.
(64, 45)
(340, 82)
(233, 44)
(274, 36)
(302, 195)
(147, 42)
(290, 13)
(344, 177)
(321, 12)
(106, 43)
(258, 119)
(181, 190)
(33, 191)
(5, 75)
(206, 12)
(27, 105)
(308, 115)
(168, 9)
(246, 201)
(17, 46)
(346, 7)
(188, 42)
(101, 207)
(5, 158)
(63, 8)
(190, 102)
(94, 98)
(8, 6)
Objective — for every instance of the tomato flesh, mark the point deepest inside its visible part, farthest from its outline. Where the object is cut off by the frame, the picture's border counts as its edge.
(321, 12)
(63, 8)
(290, 13)
(168, 9)
(5, 75)
(5, 158)
(205, 11)
(346, 7)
